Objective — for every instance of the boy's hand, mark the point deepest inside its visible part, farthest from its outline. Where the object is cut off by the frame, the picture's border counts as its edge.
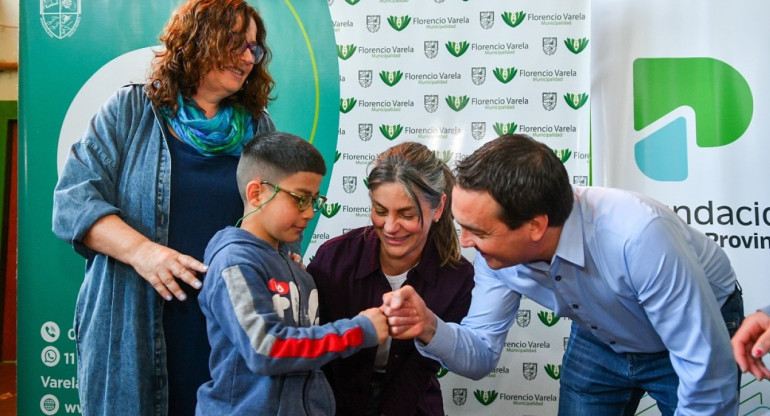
(379, 321)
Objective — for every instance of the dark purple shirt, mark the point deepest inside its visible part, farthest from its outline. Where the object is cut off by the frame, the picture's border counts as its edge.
(349, 278)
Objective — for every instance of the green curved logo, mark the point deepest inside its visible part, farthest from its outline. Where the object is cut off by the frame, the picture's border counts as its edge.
(716, 92)
(485, 397)
(457, 48)
(391, 132)
(514, 19)
(457, 103)
(576, 100)
(344, 52)
(505, 128)
(553, 370)
(391, 78)
(399, 22)
(576, 45)
(548, 318)
(505, 75)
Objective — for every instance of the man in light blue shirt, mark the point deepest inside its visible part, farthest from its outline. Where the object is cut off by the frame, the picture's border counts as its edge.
(644, 290)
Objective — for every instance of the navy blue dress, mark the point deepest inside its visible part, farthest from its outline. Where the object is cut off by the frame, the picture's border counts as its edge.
(204, 200)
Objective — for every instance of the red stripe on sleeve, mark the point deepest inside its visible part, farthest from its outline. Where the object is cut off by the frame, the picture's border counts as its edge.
(312, 348)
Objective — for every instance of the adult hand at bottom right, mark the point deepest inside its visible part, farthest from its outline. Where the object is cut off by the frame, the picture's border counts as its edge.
(751, 342)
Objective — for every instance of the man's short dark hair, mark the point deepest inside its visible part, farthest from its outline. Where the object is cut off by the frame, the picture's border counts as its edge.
(275, 155)
(524, 176)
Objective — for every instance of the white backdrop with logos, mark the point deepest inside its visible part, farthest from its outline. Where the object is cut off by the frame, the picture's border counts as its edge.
(453, 76)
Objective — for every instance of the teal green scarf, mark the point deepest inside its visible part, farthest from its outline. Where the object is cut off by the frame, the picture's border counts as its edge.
(223, 134)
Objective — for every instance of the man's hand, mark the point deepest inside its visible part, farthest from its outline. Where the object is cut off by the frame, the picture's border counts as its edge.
(379, 321)
(751, 342)
(408, 316)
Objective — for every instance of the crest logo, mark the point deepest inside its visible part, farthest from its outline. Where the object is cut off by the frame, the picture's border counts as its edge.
(523, 317)
(391, 132)
(399, 22)
(457, 48)
(391, 78)
(505, 75)
(365, 131)
(549, 45)
(457, 103)
(439, 1)
(459, 396)
(60, 18)
(330, 210)
(373, 23)
(576, 100)
(330, 2)
(549, 100)
(431, 48)
(563, 155)
(514, 19)
(548, 318)
(478, 129)
(365, 77)
(349, 183)
(347, 104)
(485, 397)
(431, 103)
(580, 180)
(505, 128)
(344, 52)
(479, 74)
(529, 370)
(553, 371)
(576, 45)
(486, 19)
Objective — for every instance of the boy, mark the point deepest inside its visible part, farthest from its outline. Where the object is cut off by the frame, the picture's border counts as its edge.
(261, 307)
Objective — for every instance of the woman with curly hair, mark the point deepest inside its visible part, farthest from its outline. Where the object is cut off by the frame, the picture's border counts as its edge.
(142, 192)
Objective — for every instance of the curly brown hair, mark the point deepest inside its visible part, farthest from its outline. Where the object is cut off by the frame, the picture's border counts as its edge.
(198, 38)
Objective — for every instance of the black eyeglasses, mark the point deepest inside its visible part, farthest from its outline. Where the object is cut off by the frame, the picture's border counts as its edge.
(303, 201)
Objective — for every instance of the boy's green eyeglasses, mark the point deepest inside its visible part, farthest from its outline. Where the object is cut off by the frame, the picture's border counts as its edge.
(303, 201)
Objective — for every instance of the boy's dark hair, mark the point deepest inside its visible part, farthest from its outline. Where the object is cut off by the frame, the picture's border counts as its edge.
(524, 176)
(275, 155)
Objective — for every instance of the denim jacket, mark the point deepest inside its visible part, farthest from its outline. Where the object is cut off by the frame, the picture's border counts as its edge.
(120, 166)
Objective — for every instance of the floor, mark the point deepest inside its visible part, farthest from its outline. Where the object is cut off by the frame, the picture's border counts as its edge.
(8, 388)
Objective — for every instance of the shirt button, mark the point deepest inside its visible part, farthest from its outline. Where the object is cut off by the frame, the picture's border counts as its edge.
(558, 278)
(594, 327)
(575, 306)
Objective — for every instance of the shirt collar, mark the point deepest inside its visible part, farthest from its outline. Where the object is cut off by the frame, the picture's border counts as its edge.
(571, 247)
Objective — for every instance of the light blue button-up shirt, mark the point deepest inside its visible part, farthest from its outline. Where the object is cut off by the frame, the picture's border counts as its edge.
(633, 273)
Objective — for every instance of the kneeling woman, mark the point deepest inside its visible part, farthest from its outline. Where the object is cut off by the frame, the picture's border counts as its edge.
(412, 240)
